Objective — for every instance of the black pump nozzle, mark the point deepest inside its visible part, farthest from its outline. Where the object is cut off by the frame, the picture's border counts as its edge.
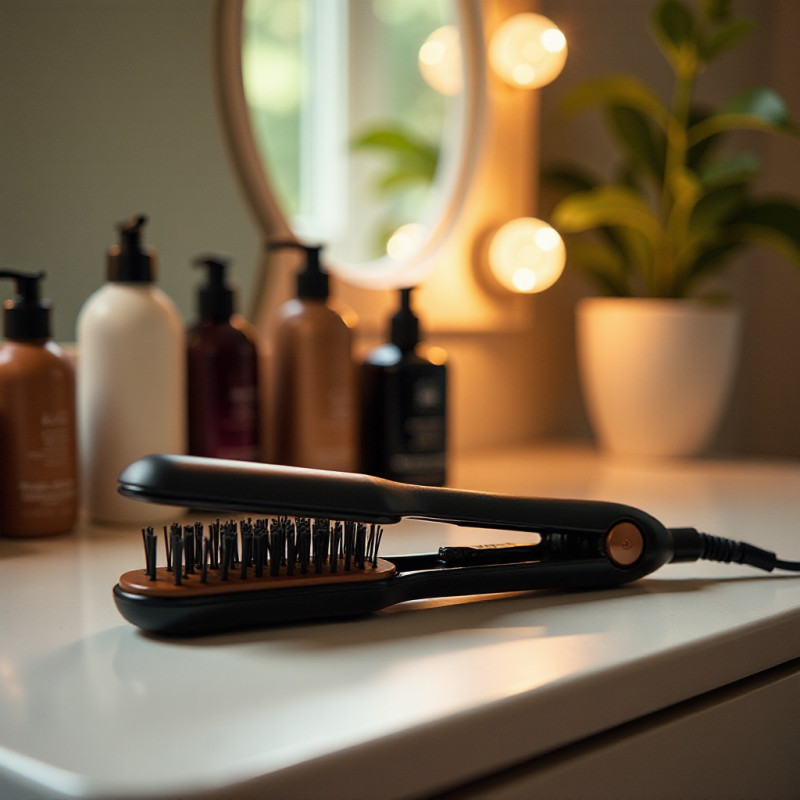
(312, 281)
(26, 315)
(130, 261)
(216, 295)
(131, 231)
(405, 324)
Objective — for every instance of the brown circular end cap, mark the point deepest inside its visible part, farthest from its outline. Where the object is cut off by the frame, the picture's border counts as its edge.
(624, 544)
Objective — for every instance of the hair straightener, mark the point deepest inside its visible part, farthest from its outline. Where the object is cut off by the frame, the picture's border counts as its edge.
(315, 556)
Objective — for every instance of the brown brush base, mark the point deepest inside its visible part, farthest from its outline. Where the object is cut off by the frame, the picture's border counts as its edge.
(137, 582)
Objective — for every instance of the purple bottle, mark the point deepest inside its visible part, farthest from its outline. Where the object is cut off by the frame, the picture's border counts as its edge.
(222, 364)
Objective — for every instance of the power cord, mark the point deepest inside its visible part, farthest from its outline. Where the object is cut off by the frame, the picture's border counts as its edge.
(691, 545)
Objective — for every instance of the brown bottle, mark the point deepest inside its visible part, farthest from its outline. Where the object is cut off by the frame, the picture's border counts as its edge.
(314, 380)
(38, 486)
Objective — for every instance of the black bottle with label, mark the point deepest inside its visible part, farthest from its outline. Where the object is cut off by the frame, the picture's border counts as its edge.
(404, 405)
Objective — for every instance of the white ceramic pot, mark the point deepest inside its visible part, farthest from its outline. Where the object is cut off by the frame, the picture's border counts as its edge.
(656, 375)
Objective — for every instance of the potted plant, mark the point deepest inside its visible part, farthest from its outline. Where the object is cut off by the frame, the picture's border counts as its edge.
(657, 354)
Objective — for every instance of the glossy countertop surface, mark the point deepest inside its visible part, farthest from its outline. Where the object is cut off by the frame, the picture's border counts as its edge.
(417, 698)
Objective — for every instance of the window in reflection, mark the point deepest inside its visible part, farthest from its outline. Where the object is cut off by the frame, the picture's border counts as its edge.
(352, 103)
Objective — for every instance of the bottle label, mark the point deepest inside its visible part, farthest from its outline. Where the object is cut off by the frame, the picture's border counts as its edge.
(52, 450)
(424, 434)
(408, 464)
(38, 490)
(418, 454)
(49, 451)
(45, 496)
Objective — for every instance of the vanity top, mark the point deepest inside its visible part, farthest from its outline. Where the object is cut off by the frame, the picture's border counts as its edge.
(401, 703)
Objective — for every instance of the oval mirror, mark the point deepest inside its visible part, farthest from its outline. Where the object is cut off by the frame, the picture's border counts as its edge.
(353, 124)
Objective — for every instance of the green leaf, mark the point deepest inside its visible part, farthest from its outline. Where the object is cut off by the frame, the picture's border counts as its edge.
(756, 109)
(674, 23)
(604, 267)
(709, 259)
(725, 39)
(716, 10)
(572, 180)
(730, 169)
(397, 179)
(608, 205)
(761, 102)
(714, 208)
(699, 152)
(396, 140)
(643, 142)
(615, 90)
(775, 223)
(713, 257)
(686, 191)
(675, 32)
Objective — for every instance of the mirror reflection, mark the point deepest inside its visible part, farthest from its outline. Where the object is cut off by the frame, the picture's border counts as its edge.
(356, 108)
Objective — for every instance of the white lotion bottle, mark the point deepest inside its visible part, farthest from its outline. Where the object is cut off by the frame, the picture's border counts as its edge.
(131, 380)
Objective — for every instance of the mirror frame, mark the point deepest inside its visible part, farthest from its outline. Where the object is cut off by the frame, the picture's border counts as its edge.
(253, 172)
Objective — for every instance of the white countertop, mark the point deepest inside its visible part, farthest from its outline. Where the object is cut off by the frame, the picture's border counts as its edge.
(410, 701)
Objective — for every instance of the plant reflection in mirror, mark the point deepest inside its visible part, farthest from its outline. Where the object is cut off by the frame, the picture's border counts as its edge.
(404, 179)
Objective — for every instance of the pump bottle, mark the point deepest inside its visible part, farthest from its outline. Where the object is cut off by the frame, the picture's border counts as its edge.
(313, 376)
(222, 364)
(38, 480)
(131, 379)
(404, 405)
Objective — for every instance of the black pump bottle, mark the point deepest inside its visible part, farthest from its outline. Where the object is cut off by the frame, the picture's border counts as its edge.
(404, 405)
(222, 364)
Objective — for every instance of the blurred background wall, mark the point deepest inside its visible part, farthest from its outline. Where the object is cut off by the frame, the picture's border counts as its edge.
(108, 110)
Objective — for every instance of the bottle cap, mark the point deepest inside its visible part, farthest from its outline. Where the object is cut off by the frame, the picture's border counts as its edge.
(26, 315)
(405, 324)
(130, 261)
(216, 295)
(312, 280)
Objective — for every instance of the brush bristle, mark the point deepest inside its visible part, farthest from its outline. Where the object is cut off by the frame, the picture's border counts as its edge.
(259, 552)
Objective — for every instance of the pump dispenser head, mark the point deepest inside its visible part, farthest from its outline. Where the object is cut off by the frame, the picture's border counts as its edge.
(216, 295)
(405, 324)
(312, 281)
(26, 315)
(130, 261)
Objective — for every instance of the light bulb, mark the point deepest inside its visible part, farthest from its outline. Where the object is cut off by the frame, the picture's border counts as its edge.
(528, 50)
(440, 61)
(527, 255)
(405, 240)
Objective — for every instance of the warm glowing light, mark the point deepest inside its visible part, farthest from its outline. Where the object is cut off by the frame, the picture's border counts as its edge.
(553, 40)
(405, 240)
(440, 61)
(527, 255)
(547, 238)
(436, 355)
(528, 50)
(524, 279)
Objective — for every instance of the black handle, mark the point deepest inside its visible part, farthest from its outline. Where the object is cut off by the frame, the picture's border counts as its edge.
(219, 484)
(216, 484)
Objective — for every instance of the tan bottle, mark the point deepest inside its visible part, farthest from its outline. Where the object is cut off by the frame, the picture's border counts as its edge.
(313, 377)
(38, 491)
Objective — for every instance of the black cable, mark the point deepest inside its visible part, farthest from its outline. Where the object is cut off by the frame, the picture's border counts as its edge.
(691, 545)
